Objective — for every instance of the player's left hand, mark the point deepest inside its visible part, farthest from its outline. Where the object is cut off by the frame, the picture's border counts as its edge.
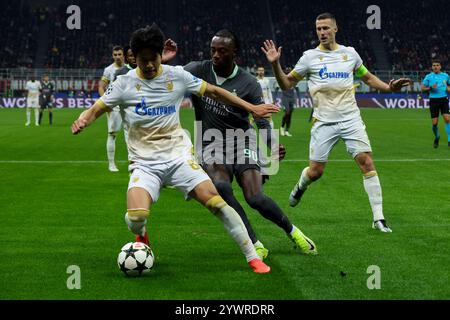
(397, 85)
(169, 51)
(264, 110)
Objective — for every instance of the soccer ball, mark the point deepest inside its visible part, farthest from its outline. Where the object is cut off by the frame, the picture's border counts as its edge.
(135, 258)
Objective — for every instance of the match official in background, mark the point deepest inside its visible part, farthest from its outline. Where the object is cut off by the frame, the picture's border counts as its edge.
(437, 84)
(47, 90)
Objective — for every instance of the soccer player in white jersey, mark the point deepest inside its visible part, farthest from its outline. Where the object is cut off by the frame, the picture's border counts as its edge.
(33, 88)
(114, 118)
(159, 150)
(329, 69)
(265, 85)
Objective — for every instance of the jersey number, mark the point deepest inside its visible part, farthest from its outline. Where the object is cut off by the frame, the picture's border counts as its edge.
(251, 154)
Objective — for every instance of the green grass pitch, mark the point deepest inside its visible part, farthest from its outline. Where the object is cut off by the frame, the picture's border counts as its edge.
(60, 206)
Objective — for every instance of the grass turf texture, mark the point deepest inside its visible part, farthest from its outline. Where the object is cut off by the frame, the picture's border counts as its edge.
(56, 214)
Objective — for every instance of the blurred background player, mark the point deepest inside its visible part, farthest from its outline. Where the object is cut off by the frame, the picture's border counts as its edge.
(114, 117)
(47, 98)
(265, 87)
(288, 102)
(32, 88)
(222, 70)
(437, 84)
(329, 69)
(266, 124)
(159, 150)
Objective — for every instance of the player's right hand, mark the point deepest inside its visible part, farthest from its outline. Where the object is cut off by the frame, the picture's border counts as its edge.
(271, 51)
(264, 110)
(78, 125)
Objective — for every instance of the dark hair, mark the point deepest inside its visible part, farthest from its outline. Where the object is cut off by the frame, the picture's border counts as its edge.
(150, 37)
(125, 51)
(117, 48)
(326, 15)
(224, 33)
(436, 61)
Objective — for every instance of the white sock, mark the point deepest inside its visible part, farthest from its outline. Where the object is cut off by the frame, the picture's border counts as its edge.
(111, 147)
(234, 225)
(28, 115)
(36, 115)
(136, 226)
(304, 181)
(373, 188)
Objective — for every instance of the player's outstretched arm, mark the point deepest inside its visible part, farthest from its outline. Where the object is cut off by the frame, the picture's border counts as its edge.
(88, 116)
(273, 54)
(222, 95)
(169, 51)
(393, 86)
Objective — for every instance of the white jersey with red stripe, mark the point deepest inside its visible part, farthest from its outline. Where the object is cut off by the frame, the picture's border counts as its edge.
(151, 112)
(330, 81)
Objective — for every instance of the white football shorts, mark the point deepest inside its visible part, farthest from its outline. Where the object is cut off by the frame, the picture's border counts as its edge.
(33, 102)
(324, 137)
(184, 174)
(114, 120)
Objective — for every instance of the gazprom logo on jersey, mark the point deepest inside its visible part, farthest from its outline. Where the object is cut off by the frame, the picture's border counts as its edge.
(324, 74)
(142, 109)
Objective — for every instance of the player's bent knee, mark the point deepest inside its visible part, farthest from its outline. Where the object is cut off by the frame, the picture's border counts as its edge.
(315, 173)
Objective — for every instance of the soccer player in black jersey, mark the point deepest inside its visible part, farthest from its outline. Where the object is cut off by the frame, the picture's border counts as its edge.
(242, 161)
(47, 90)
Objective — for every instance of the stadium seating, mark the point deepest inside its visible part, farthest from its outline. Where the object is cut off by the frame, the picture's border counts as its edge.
(193, 23)
(19, 25)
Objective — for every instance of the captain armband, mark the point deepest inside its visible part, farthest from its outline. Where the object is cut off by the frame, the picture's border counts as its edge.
(361, 71)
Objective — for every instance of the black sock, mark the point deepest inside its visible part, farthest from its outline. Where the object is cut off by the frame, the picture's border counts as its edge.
(283, 121)
(50, 117)
(226, 192)
(288, 121)
(40, 117)
(270, 210)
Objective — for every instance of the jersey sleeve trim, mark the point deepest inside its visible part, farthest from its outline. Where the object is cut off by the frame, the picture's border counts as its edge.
(102, 104)
(202, 90)
(361, 71)
(105, 79)
(296, 75)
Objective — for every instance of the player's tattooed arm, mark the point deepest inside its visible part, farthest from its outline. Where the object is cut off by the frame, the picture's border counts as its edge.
(222, 95)
(393, 86)
(88, 116)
